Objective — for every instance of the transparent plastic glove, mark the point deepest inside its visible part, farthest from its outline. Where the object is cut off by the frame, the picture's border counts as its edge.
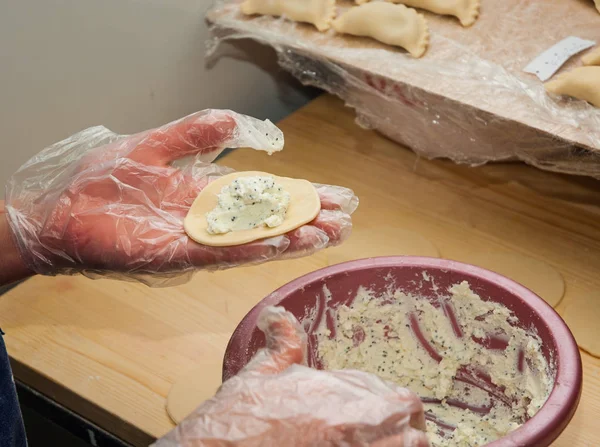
(107, 205)
(276, 401)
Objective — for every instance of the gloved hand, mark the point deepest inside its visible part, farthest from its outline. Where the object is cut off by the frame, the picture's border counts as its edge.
(106, 205)
(275, 401)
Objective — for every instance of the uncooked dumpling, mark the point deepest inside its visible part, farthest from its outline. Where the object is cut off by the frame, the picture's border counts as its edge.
(304, 206)
(388, 23)
(593, 57)
(467, 11)
(318, 12)
(581, 83)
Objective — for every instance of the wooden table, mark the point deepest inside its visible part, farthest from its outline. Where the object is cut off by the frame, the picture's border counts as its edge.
(110, 350)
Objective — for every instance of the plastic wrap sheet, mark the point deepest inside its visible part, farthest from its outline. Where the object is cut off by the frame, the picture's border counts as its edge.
(467, 99)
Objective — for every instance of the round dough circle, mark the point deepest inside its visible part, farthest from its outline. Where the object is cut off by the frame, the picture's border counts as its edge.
(305, 205)
(582, 316)
(382, 241)
(538, 276)
(191, 390)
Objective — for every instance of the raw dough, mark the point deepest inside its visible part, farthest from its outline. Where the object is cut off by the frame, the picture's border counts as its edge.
(318, 12)
(382, 241)
(305, 205)
(581, 83)
(191, 390)
(593, 57)
(582, 315)
(538, 276)
(467, 11)
(391, 24)
(390, 348)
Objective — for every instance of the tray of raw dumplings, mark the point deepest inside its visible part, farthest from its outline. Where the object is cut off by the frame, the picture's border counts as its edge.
(444, 77)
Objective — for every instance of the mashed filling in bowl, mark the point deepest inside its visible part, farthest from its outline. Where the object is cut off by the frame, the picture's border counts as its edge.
(479, 374)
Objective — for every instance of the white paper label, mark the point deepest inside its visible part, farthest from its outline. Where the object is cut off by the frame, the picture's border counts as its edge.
(548, 63)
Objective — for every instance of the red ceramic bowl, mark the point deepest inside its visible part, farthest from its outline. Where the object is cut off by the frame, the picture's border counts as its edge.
(343, 281)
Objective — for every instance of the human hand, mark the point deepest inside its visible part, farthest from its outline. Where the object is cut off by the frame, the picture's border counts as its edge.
(105, 205)
(276, 401)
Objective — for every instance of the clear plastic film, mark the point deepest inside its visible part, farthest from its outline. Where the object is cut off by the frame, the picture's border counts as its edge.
(276, 400)
(467, 99)
(113, 206)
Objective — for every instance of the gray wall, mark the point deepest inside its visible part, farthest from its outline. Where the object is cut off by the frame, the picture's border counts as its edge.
(128, 64)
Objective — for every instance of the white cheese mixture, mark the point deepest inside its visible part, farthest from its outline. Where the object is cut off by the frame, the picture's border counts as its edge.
(249, 202)
(379, 334)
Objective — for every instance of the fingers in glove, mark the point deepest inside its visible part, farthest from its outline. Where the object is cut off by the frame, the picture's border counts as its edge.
(417, 415)
(411, 437)
(337, 198)
(329, 229)
(203, 133)
(383, 435)
(337, 225)
(405, 403)
(285, 340)
(305, 241)
(214, 258)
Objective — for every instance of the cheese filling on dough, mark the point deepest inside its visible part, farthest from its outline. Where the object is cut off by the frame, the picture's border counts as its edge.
(383, 334)
(248, 202)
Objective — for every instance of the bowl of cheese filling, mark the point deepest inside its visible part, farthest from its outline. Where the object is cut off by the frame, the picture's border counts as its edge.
(493, 363)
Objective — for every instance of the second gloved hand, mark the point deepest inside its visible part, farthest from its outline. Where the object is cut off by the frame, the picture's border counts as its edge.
(106, 205)
(276, 401)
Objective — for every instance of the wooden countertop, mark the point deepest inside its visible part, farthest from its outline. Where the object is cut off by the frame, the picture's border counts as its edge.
(110, 350)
